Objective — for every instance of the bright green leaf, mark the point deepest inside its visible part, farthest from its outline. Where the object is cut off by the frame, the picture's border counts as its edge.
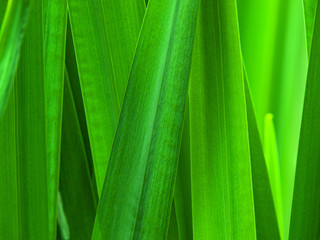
(222, 197)
(266, 219)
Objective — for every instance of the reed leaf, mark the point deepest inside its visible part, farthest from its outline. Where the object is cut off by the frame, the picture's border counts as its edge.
(76, 186)
(305, 216)
(222, 197)
(30, 128)
(55, 24)
(94, 32)
(265, 215)
(139, 184)
(11, 36)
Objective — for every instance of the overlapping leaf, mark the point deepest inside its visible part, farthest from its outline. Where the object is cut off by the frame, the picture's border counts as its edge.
(265, 215)
(139, 184)
(305, 216)
(99, 36)
(11, 36)
(222, 196)
(55, 24)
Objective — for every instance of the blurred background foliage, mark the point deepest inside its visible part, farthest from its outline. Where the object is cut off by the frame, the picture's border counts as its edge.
(274, 49)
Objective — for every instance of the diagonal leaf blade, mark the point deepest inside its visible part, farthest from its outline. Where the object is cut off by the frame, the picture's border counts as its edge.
(138, 188)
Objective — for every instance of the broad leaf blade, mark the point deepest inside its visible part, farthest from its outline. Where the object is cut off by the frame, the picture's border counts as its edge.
(30, 127)
(222, 197)
(138, 188)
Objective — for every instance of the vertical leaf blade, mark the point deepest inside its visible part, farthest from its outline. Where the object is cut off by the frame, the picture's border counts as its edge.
(30, 127)
(55, 24)
(222, 197)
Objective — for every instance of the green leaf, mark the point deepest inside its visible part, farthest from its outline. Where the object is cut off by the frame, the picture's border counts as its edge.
(272, 163)
(173, 233)
(55, 24)
(76, 186)
(30, 128)
(182, 191)
(222, 197)
(310, 7)
(62, 219)
(266, 219)
(9, 219)
(11, 36)
(305, 216)
(139, 184)
(71, 66)
(9, 202)
(104, 45)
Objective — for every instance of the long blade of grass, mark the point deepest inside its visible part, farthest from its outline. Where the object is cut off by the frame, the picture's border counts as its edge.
(305, 216)
(11, 36)
(76, 186)
(222, 197)
(104, 44)
(139, 184)
(266, 219)
(30, 124)
(55, 24)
